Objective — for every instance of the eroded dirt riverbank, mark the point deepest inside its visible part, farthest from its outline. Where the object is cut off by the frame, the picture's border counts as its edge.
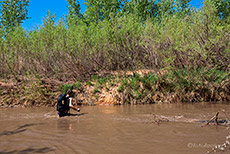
(133, 88)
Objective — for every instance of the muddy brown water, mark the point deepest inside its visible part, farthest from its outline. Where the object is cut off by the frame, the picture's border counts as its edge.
(111, 130)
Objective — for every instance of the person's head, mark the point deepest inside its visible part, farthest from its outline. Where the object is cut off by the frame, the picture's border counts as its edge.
(70, 92)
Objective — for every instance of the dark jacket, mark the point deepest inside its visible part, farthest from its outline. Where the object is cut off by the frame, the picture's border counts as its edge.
(63, 103)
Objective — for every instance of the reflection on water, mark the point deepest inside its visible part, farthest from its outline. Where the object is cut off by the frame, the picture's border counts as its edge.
(64, 124)
(111, 129)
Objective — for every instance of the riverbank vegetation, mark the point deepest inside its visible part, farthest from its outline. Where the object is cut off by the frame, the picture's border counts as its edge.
(186, 51)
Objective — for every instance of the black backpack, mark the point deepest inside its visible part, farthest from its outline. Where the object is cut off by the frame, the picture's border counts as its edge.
(62, 103)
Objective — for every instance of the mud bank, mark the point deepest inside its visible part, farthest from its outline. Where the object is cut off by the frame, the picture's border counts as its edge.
(117, 89)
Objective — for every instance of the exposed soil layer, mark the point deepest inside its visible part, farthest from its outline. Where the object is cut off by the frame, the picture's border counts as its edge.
(141, 87)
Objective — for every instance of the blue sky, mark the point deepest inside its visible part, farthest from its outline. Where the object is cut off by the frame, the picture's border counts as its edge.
(38, 8)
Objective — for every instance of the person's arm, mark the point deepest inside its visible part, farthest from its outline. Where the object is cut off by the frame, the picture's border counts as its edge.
(73, 107)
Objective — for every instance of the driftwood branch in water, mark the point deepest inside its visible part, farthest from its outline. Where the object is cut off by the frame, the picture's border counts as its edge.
(227, 119)
(215, 118)
(158, 119)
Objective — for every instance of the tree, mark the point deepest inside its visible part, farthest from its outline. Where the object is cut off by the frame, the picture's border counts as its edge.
(74, 8)
(142, 8)
(183, 6)
(223, 8)
(110, 8)
(101, 9)
(92, 11)
(165, 7)
(13, 12)
(74, 14)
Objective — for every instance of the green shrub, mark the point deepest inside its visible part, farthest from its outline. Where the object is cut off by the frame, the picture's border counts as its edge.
(77, 85)
(65, 87)
(89, 83)
(123, 85)
(95, 91)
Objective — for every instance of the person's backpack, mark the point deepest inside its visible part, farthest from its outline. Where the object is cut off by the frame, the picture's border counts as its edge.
(62, 104)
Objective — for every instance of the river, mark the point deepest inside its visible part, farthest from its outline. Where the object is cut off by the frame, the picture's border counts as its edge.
(111, 130)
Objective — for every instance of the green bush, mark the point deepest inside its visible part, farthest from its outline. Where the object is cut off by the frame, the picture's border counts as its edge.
(77, 85)
(65, 87)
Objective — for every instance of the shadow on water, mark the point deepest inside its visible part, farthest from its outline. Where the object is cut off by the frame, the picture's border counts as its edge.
(12, 132)
(18, 130)
(27, 125)
(77, 114)
(29, 150)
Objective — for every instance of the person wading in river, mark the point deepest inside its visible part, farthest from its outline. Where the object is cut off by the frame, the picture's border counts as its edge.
(64, 103)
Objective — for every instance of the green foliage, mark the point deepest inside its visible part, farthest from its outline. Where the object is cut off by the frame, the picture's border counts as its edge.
(149, 81)
(77, 85)
(165, 7)
(134, 82)
(65, 87)
(96, 90)
(142, 8)
(216, 76)
(89, 83)
(73, 8)
(94, 77)
(123, 85)
(120, 35)
(101, 10)
(102, 80)
(183, 6)
(223, 8)
(13, 12)
(74, 15)
(191, 79)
